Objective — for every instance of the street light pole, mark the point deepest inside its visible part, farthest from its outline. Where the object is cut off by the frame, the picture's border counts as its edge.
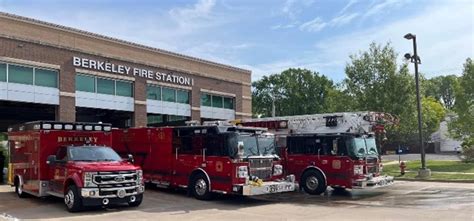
(423, 172)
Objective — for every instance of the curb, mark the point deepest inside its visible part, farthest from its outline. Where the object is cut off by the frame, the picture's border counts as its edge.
(434, 180)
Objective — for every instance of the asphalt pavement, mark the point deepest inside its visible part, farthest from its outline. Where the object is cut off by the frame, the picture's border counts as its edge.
(402, 201)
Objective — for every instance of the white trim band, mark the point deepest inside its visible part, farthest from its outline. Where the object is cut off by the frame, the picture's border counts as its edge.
(218, 93)
(169, 85)
(101, 74)
(30, 63)
(243, 114)
(67, 94)
(140, 102)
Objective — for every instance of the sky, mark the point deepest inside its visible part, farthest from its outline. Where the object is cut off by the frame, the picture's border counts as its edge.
(269, 36)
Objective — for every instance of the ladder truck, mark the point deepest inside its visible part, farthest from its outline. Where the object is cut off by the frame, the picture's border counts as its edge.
(332, 149)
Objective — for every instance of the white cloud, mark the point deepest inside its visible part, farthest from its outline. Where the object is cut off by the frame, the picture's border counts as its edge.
(387, 4)
(349, 4)
(343, 19)
(283, 26)
(317, 24)
(438, 47)
(445, 40)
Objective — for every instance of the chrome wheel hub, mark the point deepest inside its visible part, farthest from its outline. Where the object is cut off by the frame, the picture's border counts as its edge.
(200, 187)
(69, 199)
(312, 183)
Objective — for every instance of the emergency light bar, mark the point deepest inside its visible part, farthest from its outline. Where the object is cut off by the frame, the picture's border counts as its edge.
(56, 125)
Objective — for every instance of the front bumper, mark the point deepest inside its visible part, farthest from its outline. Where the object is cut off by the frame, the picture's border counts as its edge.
(268, 187)
(111, 201)
(119, 192)
(372, 182)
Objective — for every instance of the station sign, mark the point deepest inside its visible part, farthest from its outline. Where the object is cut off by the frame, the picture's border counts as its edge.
(109, 67)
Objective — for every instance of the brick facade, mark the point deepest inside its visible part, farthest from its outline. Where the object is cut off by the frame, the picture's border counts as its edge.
(35, 41)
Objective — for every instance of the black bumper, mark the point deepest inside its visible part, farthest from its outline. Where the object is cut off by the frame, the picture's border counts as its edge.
(112, 201)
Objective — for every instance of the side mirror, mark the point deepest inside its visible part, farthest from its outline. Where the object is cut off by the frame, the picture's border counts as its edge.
(51, 159)
(130, 159)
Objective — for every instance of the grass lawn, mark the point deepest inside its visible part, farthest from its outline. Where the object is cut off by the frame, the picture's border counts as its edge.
(459, 168)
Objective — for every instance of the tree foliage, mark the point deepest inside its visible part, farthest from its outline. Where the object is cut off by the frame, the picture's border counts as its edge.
(296, 91)
(462, 127)
(442, 88)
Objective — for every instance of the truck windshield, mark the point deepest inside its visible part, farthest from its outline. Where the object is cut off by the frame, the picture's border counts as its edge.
(92, 153)
(371, 146)
(357, 148)
(254, 144)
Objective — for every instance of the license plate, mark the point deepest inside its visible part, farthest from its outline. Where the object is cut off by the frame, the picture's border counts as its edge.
(278, 188)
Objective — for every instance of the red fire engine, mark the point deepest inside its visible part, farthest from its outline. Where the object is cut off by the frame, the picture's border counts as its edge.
(337, 149)
(73, 161)
(207, 159)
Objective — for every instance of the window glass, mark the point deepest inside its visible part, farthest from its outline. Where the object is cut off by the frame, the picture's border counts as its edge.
(46, 78)
(85, 83)
(217, 101)
(19, 74)
(182, 97)
(3, 72)
(169, 94)
(154, 118)
(228, 103)
(124, 89)
(206, 100)
(153, 92)
(176, 118)
(105, 86)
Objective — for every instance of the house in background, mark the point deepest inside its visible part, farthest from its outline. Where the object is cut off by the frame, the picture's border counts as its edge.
(441, 139)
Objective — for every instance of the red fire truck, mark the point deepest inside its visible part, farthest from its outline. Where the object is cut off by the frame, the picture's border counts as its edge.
(337, 149)
(73, 161)
(207, 159)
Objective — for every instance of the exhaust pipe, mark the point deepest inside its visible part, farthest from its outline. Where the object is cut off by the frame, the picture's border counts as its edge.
(132, 199)
(105, 201)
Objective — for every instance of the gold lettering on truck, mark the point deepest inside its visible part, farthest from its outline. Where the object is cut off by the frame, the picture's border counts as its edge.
(77, 139)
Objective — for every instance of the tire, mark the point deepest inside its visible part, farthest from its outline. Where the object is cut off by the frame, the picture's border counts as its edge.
(313, 182)
(199, 187)
(19, 189)
(72, 199)
(137, 202)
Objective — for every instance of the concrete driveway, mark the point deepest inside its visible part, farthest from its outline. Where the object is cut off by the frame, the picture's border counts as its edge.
(401, 201)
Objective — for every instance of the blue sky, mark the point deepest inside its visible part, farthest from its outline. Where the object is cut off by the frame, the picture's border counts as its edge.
(268, 36)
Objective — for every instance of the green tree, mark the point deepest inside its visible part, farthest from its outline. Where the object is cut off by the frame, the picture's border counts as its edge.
(296, 91)
(462, 127)
(443, 88)
(377, 84)
(433, 113)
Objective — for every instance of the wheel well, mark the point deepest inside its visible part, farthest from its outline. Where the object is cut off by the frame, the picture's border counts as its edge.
(314, 169)
(68, 183)
(197, 172)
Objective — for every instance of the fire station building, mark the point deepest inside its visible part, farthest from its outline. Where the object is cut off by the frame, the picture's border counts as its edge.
(53, 72)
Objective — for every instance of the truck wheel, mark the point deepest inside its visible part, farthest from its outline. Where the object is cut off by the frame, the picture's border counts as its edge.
(137, 202)
(19, 190)
(313, 182)
(73, 199)
(200, 187)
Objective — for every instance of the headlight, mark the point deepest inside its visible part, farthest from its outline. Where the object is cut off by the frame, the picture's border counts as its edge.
(242, 172)
(358, 169)
(277, 170)
(139, 176)
(88, 179)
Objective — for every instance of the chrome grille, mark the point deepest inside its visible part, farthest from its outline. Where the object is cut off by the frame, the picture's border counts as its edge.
(110, 182)
(261, 168)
